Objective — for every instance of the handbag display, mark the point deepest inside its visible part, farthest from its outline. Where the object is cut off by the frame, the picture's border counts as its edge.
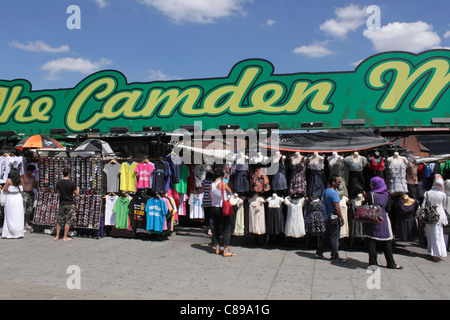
(227, 208)
(428, 213)
(369, 213)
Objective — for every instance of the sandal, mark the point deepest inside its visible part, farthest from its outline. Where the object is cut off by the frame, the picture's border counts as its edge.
(396, 267)
(228, 254)
(218, 251)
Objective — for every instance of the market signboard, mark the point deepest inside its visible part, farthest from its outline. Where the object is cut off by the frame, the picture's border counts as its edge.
(393, 89)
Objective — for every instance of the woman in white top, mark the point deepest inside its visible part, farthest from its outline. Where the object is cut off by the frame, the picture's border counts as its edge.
(219, 191)
(435, 232)
(14, 219)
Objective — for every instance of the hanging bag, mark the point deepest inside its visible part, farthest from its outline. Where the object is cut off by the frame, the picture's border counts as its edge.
(369, 213)
(428, 213)
(227, 208)
(2, 198)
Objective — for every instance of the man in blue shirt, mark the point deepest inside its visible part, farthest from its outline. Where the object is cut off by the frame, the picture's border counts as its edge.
(333, 220)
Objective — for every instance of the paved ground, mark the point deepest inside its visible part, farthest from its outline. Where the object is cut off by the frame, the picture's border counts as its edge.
(185, 267)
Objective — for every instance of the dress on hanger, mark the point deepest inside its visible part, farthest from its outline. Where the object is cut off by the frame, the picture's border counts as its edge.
(259, 181)
(316, 178)
(356, 180)
(257, 217)
(396, 178)
(344, 212)
(336, 165)
(297, 183)
(241, 177)
(295, 223)
(314, 220)
(279, 182)
(274, 216)
(238, 206)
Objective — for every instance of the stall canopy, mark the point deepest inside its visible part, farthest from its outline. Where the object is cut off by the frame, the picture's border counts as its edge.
(92, 146)
(327, 141)
(38, 142)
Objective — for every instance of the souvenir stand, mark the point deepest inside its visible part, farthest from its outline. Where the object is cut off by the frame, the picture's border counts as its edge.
(87, 175)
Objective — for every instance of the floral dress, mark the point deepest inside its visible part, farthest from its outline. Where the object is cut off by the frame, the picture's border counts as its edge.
(297, 183)
(259, 181)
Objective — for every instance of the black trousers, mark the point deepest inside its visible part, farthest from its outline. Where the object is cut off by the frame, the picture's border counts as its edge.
(220, 224)
(387, 249)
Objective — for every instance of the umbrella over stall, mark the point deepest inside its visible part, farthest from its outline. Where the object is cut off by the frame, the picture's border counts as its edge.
(91, 146)
(38, 142)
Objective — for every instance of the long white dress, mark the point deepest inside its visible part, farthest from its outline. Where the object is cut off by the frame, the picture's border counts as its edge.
(14, 218)
(295, 223)
(257, 216)
(435, 232)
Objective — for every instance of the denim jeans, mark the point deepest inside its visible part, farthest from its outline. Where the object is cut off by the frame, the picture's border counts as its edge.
(330, 238)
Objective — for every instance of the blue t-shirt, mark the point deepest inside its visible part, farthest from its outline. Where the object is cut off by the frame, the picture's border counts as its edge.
(156, 211)
(329, 197)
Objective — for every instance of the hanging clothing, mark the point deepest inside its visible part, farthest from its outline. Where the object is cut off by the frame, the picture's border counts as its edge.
(314, 220)
(182, 185)
(274, 216)
(196, 206)
(356, 180)
(377, 167)
(14, 218)
(344, 212)
(257, 217)
(297, 183)
(156, 211)
(128, 177)
(161, 177)
(110, 217)
(137, 211)
(396, 178)
(259, 181)
(279, 182)
(143, 172)
(238, 206)
(295, 223)
(241, 178)
(122, 210)
(112, 171)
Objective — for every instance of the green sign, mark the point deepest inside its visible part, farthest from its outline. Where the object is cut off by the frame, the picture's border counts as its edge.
(386, 90)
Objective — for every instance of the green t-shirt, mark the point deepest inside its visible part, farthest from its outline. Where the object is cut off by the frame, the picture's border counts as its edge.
(121, 210)
(181, 187)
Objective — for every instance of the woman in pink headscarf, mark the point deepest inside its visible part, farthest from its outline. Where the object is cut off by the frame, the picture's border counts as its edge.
(435, 232)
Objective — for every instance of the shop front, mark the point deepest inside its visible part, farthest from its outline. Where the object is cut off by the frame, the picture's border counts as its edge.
(277, 137)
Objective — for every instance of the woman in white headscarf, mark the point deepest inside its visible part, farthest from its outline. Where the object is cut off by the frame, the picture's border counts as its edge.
(435, 232)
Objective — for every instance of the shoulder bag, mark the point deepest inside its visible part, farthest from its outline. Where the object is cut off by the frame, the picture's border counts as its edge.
(227, 208)
(428, 213)
(2, 198)
(369, 213)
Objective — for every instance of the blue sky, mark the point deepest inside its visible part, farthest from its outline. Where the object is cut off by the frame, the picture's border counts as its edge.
(150, 40)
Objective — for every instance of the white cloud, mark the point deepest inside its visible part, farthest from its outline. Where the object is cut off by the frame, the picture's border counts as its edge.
(38, 46)
(158, 75)
(197, 11)
(315, 50)
(270, 22)
(80, 65)
(102, 3)
(347, 19)
(447, 34)
(404, 36)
